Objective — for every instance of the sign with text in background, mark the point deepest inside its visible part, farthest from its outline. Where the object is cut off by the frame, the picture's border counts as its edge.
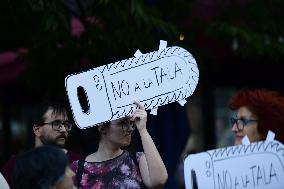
(155, 79)
(257, 165)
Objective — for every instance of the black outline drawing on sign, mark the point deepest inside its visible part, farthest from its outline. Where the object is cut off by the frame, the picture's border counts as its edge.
(272, 149)
(103, 75)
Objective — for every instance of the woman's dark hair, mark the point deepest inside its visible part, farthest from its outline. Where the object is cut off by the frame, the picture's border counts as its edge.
(39, 168)
(267, 105)
(98, 134)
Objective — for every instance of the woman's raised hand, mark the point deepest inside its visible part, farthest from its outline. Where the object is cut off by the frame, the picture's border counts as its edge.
(139, 116)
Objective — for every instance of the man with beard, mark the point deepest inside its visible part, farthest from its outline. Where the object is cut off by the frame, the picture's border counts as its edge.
(50, 126)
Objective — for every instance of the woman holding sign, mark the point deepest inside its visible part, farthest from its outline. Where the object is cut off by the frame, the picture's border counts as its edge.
(258, 111)
(111, 167)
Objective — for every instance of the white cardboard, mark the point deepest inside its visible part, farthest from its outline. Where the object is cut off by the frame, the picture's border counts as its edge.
(182, 102)
(3, 183)
(163, 45)
(137, 53)
(255, 166)
(245, 140)
(154, 111)
(155, 79)
(270, 136)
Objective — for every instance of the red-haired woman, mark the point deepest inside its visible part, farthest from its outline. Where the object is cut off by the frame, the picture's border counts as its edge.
(258, 111)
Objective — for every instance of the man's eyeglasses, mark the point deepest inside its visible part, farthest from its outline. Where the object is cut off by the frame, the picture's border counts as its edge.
(241, 122)
(57, 125)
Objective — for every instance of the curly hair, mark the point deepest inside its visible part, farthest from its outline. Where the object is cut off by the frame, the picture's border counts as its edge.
(267, 105)
(39, 168)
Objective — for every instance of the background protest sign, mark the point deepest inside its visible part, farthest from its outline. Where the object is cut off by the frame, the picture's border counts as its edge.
(257, 165)
(155, 79)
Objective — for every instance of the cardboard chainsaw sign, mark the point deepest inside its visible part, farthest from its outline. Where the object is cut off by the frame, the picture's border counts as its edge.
(258, 165)
(155, 79)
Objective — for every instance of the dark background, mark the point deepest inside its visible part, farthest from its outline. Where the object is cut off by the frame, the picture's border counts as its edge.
(236, 43)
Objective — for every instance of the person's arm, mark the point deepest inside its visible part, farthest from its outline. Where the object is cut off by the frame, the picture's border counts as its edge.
(152, 168)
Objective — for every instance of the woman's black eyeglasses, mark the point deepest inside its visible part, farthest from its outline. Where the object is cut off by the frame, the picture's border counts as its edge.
(127, 125)
(57, 125)
(241, 122)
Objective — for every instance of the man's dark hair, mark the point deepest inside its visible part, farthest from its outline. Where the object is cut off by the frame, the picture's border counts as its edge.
(39, 168)
(57, 107)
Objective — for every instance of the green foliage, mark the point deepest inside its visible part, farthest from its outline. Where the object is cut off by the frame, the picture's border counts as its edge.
(257, 26)
(115, 29)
